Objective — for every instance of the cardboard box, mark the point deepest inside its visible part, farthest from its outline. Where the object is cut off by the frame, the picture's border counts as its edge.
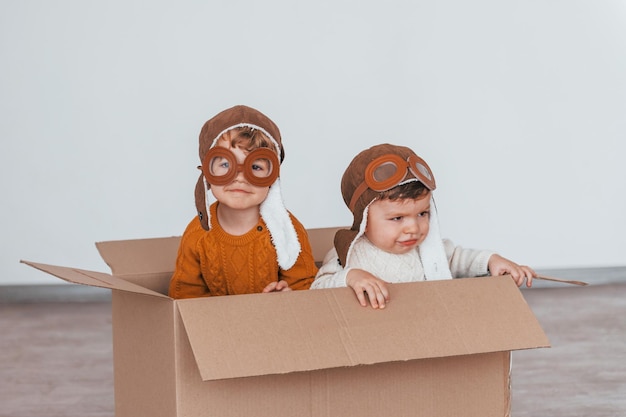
(440, 348)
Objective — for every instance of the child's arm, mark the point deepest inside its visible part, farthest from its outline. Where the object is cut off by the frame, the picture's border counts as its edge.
(465, 262)
(332, 275)
(363, 282)
(187, 281)
(472, 262)
(499, 265)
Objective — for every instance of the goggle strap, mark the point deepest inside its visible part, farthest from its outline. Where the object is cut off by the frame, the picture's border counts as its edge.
(357, 194)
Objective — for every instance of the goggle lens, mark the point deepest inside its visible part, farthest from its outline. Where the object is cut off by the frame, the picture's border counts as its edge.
(261, 168)
(219, 166)
(385, 171)
(422, 171)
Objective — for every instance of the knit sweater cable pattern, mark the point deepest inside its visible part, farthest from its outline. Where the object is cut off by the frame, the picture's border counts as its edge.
(214, 262)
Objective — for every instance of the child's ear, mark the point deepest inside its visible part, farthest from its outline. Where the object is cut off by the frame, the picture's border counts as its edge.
(201, 208)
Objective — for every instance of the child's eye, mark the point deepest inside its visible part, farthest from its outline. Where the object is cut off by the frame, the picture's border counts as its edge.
(396, 219)
(219, 166)
(260, 165)
(424, 214)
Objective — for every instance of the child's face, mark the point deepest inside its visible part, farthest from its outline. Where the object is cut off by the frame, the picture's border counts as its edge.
(398, 226)
(239, 194)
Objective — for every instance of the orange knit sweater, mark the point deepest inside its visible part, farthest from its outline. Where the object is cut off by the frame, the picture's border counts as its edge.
(216, 263)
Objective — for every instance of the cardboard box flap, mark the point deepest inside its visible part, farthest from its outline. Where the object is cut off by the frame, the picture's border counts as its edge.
(92, 278)
(140, 256)
(259, 334)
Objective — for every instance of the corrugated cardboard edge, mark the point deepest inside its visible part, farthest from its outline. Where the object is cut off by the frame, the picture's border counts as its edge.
(508, 403)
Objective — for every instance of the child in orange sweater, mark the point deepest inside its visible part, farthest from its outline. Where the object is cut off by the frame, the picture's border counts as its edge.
(246, 241)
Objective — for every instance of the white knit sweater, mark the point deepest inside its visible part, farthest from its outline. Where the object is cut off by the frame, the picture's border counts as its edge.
(398, 268)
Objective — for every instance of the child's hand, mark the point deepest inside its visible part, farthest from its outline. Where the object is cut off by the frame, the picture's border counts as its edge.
(277, 286)
(501, 266)
(363, 282)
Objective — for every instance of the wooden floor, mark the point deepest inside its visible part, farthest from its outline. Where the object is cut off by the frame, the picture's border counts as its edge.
(56, 357)
(56, 360)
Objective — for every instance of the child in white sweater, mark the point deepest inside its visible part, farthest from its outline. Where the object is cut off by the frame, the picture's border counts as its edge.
(395, 234)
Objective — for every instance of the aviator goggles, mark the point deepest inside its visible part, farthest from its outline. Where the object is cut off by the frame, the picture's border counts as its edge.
(388, 171)
(260, 168)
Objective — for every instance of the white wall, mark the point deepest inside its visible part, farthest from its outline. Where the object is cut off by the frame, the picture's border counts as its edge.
(519, 108)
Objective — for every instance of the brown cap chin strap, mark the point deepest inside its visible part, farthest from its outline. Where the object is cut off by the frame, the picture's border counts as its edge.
(343, 240)
(200, 199)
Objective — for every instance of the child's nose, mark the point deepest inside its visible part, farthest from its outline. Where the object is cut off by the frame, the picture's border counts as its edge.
(239, 176)
(412, 226)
